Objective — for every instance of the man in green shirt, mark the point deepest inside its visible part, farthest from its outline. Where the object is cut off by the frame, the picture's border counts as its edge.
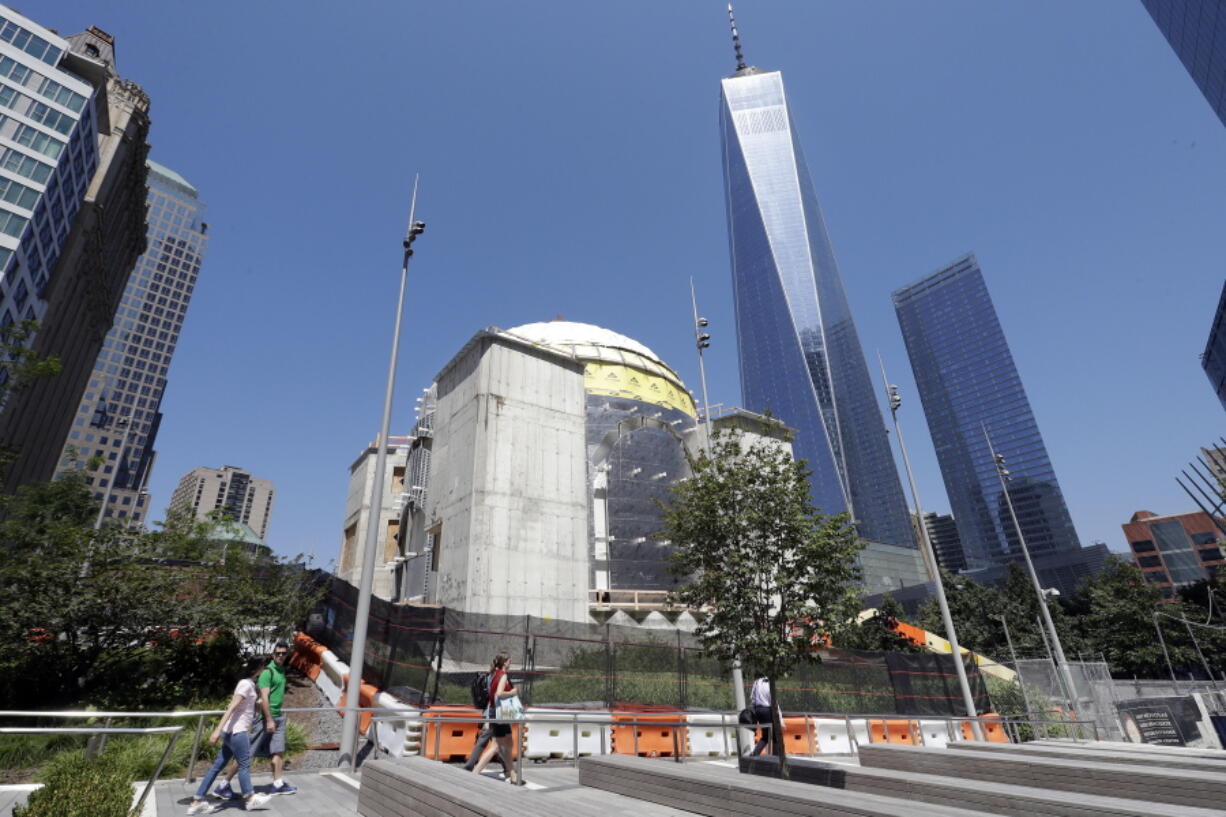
(268, 734)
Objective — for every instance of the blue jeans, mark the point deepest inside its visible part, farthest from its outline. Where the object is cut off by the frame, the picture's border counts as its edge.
(235, 745)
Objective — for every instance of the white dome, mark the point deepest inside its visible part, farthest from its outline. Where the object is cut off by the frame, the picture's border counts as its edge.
(567, 334)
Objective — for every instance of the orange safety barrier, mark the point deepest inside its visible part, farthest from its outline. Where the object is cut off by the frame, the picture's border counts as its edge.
(453, 741)
(994, 729)
(798, 737)
(650, 741)
(366, 697)
(892, 731)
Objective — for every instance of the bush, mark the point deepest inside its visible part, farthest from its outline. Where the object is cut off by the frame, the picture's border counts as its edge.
(76, 787)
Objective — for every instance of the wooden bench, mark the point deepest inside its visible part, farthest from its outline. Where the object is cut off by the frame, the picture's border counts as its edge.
(1129, 781)
(718, 791)
(1216, 755)
(1099, 753)
(418, 787)
(983, 796)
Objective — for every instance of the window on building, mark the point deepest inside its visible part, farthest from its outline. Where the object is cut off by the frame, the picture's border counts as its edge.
(1149, 561)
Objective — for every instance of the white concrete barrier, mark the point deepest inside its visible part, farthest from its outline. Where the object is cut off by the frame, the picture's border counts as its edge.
(708, 739)
(830, 735)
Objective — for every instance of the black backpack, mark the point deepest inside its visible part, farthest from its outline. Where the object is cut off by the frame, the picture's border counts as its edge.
(480, 690)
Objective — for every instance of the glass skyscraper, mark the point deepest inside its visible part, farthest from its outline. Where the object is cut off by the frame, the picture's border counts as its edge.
(968, 382)
(800, 357)
(129, 376)
(1196, 30)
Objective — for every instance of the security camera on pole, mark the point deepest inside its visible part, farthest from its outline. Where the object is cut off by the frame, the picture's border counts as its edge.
(930, 561)
(1066, 675)
(349, 729)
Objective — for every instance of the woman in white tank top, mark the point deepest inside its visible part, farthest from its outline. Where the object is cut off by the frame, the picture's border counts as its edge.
(231, 730)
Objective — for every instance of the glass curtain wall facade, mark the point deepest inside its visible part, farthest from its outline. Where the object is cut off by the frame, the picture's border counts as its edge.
(1196, 30)
(967, 381)
(1213, 360)
(800, 356)
(129, 376)
(48, 154)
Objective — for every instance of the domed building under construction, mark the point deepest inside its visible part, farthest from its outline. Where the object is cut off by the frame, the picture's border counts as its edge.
(531, 481)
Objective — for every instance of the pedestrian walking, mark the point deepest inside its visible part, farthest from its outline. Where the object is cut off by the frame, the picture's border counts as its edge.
(505, 699)
(480, 690)
(760, 702)
(231, 730)
(268, 737)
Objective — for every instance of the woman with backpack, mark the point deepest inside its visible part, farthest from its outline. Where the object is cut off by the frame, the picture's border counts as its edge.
(500, 690)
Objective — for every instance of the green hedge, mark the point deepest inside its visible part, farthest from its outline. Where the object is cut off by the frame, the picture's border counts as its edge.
(76, 787)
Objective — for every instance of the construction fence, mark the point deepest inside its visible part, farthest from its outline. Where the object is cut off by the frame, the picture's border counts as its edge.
(428, 654)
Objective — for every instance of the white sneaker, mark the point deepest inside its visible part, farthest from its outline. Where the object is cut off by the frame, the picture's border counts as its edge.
(201, 807)
(257, 801)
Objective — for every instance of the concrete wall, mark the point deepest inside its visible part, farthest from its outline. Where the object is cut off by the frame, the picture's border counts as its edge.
(509, 483)
(357, 516)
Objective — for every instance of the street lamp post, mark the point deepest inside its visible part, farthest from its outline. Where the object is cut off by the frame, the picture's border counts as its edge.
(126, 422)
(930, 561)
(702, 339)
(361, 620)
(998, 460)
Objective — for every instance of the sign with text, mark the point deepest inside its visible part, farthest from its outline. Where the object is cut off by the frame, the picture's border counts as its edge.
(1167, 721)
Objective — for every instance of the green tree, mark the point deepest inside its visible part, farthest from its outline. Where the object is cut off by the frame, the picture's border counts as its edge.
(1116, 612)
(878, 631)
(104, 616)
(771, 573)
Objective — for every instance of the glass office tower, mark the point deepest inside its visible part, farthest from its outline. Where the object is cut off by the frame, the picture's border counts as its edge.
(800, 357)
(129, 376)
(1196, 31)
(967, 381)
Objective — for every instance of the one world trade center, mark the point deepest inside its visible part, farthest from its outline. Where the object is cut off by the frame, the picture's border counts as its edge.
(800, 357)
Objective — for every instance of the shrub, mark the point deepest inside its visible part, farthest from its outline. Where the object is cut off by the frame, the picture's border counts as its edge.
(76, 787)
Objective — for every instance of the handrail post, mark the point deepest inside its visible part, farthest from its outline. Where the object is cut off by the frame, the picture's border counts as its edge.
(676, 735)
(724, 731)
(634, 727)
(170, 744)
(438, 736)
(102, 738)
(574, 733)
(520, 746)
(191, 764)
(851, 736)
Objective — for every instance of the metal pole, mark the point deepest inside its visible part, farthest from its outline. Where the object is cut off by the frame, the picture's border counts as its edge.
(361, 620)
(1020, 684)
(1196, 644)
(934, 571)
(126, 422)
(1166, 654)
(191, 764)
(1061, 662)
(701, 341)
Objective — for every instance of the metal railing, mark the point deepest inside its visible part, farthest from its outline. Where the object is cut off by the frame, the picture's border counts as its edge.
(727, 721)
(92, 748)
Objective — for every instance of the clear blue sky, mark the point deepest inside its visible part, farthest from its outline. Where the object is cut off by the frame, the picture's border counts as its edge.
(570, 165)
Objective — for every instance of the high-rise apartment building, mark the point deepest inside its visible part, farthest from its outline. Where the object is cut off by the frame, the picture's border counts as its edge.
(77, 139)
(800, 356)
(230, 491)
(129, 376)
(1213, 360)
(1196, 30)
(967, 382)
(48, 154)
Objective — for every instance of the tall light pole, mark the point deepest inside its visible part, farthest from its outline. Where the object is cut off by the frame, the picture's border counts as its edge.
(357, 655)
(702, 340)
(126, 422)
(930, 560)
(998, 460)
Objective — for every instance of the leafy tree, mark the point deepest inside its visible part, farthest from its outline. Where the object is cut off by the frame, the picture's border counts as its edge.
(773, 574)
(1116, 611)
(19, 364)
(104, 616)
(878, 631)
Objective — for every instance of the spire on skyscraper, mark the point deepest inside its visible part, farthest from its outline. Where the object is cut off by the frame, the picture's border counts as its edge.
(736, 40)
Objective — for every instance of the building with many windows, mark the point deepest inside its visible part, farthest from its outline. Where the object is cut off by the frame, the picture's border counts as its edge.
(86, 230)
(1177, 549)
(1213, 359)
(1196, 30)
(800, 356)
(943, 535)
(229, 492)
(48, 153)
(968, 383)
(129, 376)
